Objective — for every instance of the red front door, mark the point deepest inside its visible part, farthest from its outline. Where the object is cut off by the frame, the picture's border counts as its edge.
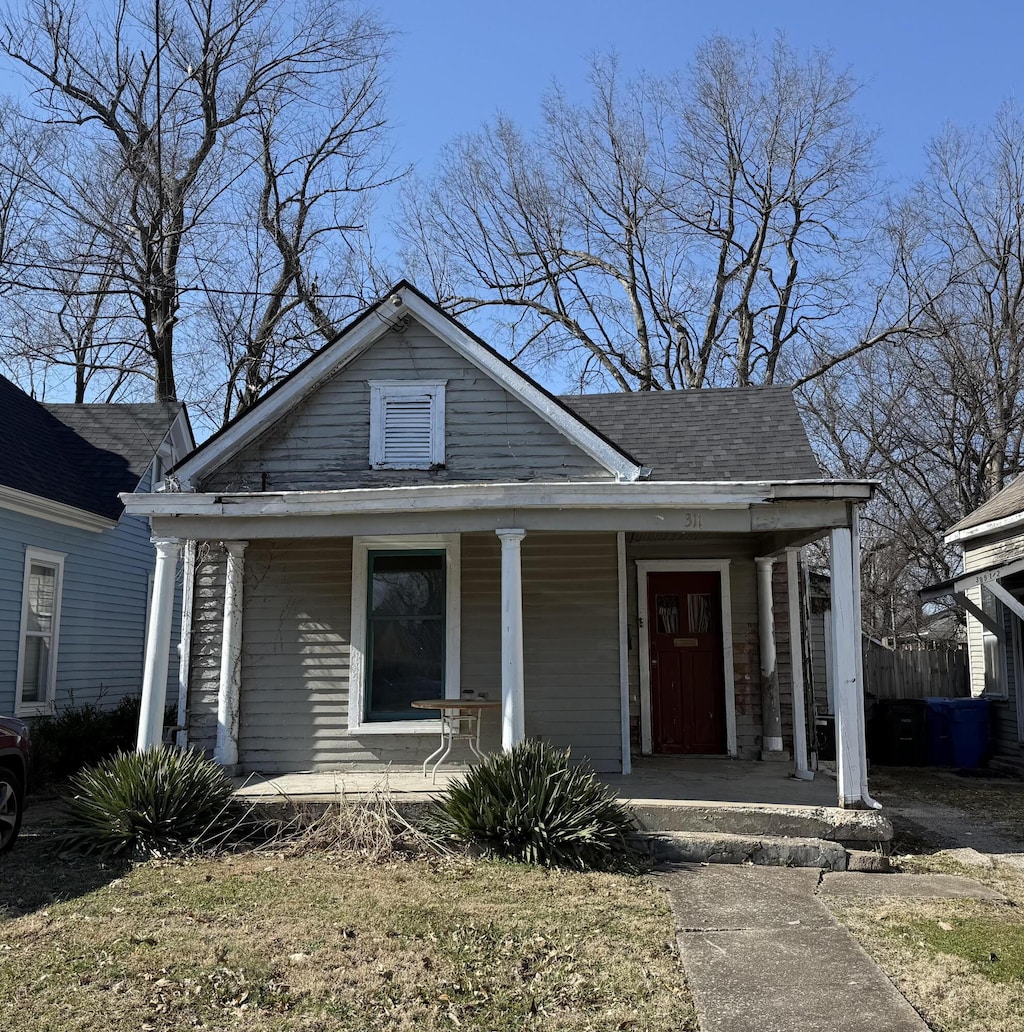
(684, 621)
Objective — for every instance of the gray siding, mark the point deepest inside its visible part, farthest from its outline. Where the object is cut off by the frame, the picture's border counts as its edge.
(296, 627)
(323, 442)
(103, 607)
(743, 590)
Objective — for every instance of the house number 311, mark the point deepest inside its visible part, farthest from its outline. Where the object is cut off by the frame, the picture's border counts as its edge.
(693, 520)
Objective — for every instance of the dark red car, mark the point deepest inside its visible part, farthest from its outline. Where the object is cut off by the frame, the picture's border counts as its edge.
(15, 763)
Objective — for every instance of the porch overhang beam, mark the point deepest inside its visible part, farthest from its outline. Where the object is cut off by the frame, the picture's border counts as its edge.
(984, 577)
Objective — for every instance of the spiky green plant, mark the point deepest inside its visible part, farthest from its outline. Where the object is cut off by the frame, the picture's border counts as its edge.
(154, 803)
(534, 806)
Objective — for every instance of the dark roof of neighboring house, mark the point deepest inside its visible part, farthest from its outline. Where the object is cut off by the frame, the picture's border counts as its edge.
(1007, 502)
(737, 433)
(78, 455)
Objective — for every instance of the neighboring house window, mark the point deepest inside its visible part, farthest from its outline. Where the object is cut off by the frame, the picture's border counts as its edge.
(406, 424)
(40, 625)
(406, 620)
(995, 654)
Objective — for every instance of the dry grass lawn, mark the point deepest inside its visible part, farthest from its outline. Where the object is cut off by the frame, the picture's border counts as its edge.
(959, 962)
(268, 942)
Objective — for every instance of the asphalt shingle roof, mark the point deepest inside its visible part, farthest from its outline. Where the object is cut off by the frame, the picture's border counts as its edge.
(1007, 502)
(79, 455)
(739, 433)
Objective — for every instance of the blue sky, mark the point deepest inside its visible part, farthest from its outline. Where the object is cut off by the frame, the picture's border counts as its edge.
(458, 62)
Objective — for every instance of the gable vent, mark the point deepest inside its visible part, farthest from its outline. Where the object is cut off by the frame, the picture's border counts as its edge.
(407, 431)
(406, 424)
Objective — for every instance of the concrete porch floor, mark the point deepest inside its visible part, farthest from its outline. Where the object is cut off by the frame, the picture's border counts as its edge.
(655, 781)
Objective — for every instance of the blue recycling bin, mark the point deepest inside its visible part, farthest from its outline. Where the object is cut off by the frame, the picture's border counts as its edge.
(958, 732)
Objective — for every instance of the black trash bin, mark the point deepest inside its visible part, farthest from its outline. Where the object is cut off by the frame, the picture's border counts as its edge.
(900, 733)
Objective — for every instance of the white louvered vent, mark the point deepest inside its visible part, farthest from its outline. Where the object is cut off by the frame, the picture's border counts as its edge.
(406, 424)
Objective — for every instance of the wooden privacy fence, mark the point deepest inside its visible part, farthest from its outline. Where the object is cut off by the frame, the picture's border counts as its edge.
(914, 673)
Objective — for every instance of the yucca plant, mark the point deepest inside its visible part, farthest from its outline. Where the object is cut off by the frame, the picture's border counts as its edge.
(534, 806)
(154, 803)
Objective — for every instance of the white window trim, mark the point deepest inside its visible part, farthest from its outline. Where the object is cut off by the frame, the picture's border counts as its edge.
(361, 548)
(1003, 648)
(721, 567)
(382, 391)
(46, 705)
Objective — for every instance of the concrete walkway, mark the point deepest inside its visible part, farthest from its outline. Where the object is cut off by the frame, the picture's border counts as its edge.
(762, 953)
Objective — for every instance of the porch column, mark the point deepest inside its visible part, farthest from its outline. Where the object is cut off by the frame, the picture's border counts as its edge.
(862, 738)
(226, 752)
(771, 708)
(850, 758)
(512, 705)
(796, 661)
(158, 645)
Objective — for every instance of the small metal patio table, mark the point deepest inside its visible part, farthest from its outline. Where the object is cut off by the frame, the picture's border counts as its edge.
(460, 721)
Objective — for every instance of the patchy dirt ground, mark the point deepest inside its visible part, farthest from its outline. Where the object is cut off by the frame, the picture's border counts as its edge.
(936, 809)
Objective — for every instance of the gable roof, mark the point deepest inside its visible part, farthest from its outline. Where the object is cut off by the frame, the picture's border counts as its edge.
(738, 433)
(78, 455)
(378, 319)
(1007, 502)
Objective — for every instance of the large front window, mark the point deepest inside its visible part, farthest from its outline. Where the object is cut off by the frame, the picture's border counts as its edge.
(406, 617)
(405, 633)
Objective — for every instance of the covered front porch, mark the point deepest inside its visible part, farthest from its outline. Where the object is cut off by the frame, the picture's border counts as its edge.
(556, 605)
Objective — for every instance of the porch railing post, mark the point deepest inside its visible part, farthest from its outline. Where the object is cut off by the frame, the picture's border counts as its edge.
(230, 685)
(845, 642)
(513, 723)
(771, 707)
(158, 644)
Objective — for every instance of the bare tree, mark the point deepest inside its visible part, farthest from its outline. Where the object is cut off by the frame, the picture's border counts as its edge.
(702, 229)
(939, 419)
(159, 118)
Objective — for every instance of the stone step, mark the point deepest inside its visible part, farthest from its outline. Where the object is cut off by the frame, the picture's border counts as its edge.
(857, 828)
(715, 848)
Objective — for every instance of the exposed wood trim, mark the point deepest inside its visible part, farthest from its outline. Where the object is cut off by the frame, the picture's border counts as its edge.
(55, 512)
(984, 529)
(620, 548)
(987, 576)
(700, 497)
(1006, 598)
(361, 547)
(721, 567)
(981, 616)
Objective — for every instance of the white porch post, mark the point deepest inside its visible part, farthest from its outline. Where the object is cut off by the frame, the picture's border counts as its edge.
(226, 752)
(862, 739)
(513, 728)
(771, 708)
(850, 759)
(796, 662)
(158, 645)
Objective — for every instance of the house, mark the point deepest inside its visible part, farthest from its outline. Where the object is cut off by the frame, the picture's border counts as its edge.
(991, 590)
(408, 515)
(75, 570)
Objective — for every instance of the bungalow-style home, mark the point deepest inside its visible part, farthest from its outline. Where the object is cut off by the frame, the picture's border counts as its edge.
(408, 516)
(991, 590)
(76, 570)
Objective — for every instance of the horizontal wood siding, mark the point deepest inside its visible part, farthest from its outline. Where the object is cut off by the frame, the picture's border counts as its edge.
(103, 607)
(743, 588)
(571, 636)
(204, 658)
(296, 627)
(324, 442)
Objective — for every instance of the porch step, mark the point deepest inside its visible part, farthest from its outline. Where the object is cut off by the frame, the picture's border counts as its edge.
(856, 828)
(716, 848)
